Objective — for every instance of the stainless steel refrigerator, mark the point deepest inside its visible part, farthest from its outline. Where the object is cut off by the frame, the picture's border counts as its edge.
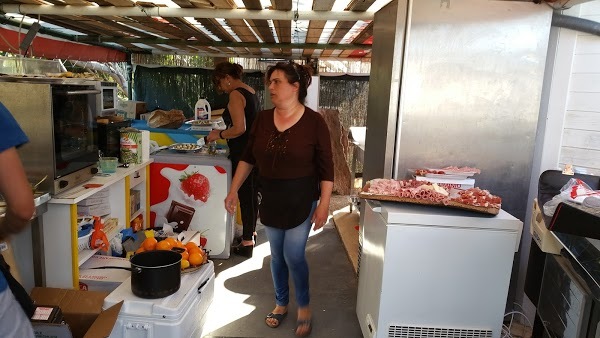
(458, 82)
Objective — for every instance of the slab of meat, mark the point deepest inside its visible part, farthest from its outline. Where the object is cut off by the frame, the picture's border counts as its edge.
(423, 192)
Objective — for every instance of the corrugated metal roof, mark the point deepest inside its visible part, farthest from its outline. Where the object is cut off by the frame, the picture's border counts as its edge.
(229, 28)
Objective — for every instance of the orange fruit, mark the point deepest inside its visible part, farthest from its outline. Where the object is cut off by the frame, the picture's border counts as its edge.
(196, 249)
(195, 259)
(191, 245)
(185, 264)
(185, 255)
(140, 249)
(180, 245)
(171, 241)
(163, 245)
(149, 244)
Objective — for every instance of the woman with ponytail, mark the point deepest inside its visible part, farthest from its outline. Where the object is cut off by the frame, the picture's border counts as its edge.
(239, 115)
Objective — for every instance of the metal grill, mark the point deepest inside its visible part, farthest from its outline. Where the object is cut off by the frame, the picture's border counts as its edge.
(395, 331)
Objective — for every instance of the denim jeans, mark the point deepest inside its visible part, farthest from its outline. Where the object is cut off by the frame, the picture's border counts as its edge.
(287, 258)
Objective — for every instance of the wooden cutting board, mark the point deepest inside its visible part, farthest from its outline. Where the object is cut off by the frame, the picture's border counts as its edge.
(9, 257)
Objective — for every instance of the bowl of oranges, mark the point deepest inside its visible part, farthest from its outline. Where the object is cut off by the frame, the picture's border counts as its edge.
(192, 255)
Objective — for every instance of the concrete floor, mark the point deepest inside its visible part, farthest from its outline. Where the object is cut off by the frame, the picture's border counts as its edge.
(244, 292)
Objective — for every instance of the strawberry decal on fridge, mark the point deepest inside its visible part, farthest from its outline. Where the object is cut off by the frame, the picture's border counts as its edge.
(195, 185)
(190, 197)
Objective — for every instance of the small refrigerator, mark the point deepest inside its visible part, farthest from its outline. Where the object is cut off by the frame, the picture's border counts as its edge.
(187, 191)
(434, 272)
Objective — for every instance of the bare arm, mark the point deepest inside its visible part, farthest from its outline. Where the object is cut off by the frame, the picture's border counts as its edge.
(322, 212)
(236, 106)
(17, 193)
(241, 173)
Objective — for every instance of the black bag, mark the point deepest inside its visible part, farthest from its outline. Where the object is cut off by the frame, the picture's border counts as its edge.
(17, 289)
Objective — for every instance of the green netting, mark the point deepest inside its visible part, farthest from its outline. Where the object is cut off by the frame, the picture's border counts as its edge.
(179, 88)
(349, 95)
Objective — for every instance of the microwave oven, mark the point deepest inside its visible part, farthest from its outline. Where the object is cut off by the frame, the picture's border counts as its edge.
(107, 100)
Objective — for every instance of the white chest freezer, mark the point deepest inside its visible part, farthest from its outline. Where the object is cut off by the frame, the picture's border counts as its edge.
(434, 272)
(178, 315)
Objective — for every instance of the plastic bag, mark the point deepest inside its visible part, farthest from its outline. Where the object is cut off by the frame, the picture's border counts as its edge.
(574, 191)
(116, 245)
(577, 190)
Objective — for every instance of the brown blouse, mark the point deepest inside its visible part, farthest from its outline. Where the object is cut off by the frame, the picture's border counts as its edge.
(291, 165)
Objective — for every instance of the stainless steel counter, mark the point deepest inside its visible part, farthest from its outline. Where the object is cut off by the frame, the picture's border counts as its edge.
(28, 245)
(39, 199)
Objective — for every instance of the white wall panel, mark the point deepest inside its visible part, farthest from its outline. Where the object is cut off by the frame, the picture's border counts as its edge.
(590, 8)
(582, 139)
(587, 44)
(585, 158)
(585, 83)
(584, 101)
(582, 120)
(586, 63)
(581, 133)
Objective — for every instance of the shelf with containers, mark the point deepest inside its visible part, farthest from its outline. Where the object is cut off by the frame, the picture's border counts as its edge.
(62, 257)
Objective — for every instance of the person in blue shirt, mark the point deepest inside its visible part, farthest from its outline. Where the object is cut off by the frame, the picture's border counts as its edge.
(17, 193)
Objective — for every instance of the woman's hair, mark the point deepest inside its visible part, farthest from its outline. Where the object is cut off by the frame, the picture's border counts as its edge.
(225, 68)
(294, 73)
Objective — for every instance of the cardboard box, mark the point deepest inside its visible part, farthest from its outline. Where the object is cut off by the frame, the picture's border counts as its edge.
(131, 109)
(97, 261)
(82, 311)
(448, 184)
(540, 234)
(92, 279)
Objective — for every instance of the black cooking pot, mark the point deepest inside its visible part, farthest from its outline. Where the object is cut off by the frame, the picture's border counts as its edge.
(155, 274)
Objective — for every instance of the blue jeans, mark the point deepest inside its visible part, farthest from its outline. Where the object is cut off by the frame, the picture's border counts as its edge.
(287, 257)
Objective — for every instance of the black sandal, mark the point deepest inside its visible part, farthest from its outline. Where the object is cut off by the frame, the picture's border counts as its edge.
(243, 250)
(279, 317)
(304, 322)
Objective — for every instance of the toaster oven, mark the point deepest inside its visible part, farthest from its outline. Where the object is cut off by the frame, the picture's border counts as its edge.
(60, 121)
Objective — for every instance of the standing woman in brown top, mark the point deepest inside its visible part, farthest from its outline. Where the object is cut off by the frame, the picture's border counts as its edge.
(291, 148)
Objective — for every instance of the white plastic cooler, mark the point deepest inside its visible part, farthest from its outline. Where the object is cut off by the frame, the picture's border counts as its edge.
(178, 315)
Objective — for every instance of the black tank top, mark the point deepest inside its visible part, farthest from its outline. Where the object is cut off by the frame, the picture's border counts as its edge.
(238, 144)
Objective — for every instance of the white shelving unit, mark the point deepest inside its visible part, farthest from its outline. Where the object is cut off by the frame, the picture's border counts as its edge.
(85, 254)
(62, 257)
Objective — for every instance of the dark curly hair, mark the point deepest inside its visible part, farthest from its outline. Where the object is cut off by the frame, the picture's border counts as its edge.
(293, 73)
(225, 68)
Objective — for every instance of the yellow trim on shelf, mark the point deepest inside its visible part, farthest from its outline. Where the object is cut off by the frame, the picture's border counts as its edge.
(74, 246)
(147, 211)
(127, 201)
